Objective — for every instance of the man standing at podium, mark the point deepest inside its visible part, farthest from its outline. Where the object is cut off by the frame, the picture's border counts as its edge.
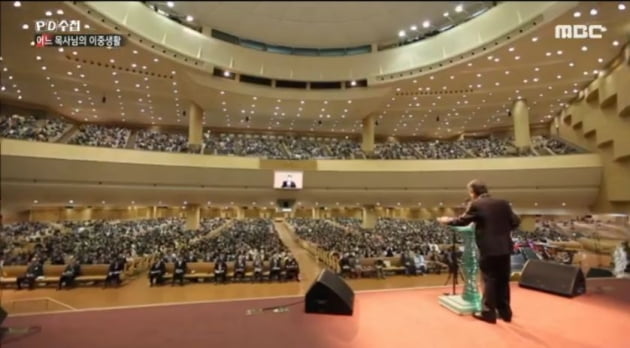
(494, 220)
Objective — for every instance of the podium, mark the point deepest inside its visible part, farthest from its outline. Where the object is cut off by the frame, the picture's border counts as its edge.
(470, 301)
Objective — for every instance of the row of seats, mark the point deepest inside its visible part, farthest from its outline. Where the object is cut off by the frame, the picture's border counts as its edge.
(278, 146)
(52, 273)
(97, 241)
(96, 274)
(31, 128)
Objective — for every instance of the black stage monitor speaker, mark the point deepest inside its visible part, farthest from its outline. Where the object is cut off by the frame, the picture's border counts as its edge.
(329, 294)
(599, 273)
(553, 277)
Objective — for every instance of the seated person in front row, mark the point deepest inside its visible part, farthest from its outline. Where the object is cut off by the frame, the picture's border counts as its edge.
(420, 264)
(258, 268)
(293, 269)
(35, 270)
(239, 268)
(275, 267)
(408, 262)
(180, 269)
(344, 265)
(116, 268)
(220, 268)
(157, 271)
(72, 270)
(353, 266)
(379, 265)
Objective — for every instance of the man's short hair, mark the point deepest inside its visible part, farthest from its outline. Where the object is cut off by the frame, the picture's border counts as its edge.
(477, 187)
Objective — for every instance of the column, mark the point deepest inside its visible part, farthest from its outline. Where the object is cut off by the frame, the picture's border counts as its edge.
(367, 135)
(520, 117)
(528, 223)
(315, 213)
(192, 217)
(369, 217)
(240, 213)
(195, 127)
(154, 212)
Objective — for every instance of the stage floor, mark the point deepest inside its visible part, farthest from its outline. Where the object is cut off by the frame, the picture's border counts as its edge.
(384, 318)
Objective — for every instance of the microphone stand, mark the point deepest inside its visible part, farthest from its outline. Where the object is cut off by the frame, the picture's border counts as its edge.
(454, 266)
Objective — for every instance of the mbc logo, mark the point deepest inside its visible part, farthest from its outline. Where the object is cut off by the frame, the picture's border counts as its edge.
(579, 31)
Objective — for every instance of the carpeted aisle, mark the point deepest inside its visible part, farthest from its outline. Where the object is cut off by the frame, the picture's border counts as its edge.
(397, 319)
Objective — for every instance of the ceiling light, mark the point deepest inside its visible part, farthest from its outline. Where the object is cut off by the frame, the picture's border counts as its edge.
(534, 39)
(75, 53)
(60, 12)
(43, 68)
(558, 52)
(615, 43)
(18, 4)
(189, 18)
(577, 14)
(459, 8)
(593, 12)
(170, 4)
(401, 33)
(413, 28)
(571, 64)
(584, 48)
(517, 57)
(48, 13)
(445, 14)
(25, 26)
(426, 24)
(71, 201)
(226, 73)
(155, 60)
(621, 7)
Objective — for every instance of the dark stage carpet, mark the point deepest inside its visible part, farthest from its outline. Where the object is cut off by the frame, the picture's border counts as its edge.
(382, 319)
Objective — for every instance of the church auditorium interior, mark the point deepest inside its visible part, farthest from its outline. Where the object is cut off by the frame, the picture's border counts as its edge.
(283, 174)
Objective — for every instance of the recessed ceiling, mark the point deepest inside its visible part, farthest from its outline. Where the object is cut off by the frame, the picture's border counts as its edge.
(138, 86)
(322, 24)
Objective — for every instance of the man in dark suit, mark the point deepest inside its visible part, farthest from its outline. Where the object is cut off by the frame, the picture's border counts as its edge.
(275, 267)
(220, 269)
(116, 268)
(72, 270)
(494, 220)
(34, 271)
(239, 268)
(288, 182)
(157, 271)
(180, 269)
(258, 268)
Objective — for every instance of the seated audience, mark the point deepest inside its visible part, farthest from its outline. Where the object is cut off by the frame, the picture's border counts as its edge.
(157, 271)
(239, 268)
(34, 271)
(72, 270)
(275, 267)
(167, 142)
(292, 269)
(258, 268)
(116, 268)
(220, 270)
(95, 135)
(180, 269)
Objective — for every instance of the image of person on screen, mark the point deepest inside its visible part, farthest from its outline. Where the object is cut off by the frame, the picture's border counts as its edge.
(288, 182)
